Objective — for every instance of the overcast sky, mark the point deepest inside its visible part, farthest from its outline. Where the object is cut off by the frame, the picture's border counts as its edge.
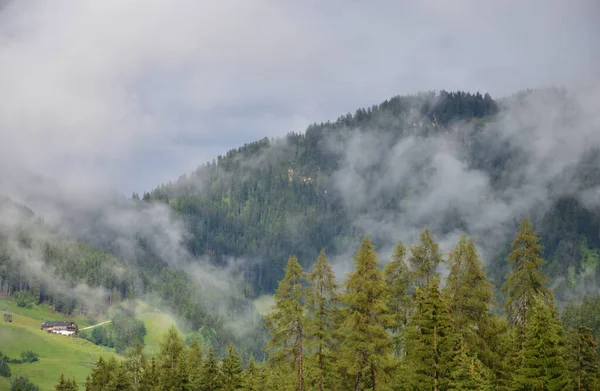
(132, 93)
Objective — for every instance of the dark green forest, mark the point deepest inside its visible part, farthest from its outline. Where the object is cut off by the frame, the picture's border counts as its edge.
(396, 326)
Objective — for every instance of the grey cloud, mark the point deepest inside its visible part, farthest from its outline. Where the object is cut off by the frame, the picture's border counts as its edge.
(433, 182)
(90, 86)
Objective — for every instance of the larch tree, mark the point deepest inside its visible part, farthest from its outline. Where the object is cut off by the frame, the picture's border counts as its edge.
(525, 283)
(425, 257)
(398, 279)
(322, 316)
(364, 351)
(286, 321)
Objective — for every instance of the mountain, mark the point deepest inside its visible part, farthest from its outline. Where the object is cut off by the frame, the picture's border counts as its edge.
(454, 161)
(204, 246)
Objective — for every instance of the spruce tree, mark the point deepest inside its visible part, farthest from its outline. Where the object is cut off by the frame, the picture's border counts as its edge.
(544, 366)
(286, 322)
(430, 340)
(4, 368)
(398, 279)
(253, 377)
(170, 363)
(425, 257)
(135, 362)
(150, 377)
(364, 352)
(21, 383)
(470, 299)
(232, 370)
(212, 378)
(322, 308)
(525, 283)
(468, 373)
(66, 384)
(194, 361)
(585, 360)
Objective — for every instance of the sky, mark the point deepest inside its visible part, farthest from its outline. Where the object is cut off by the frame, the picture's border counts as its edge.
(133, 93)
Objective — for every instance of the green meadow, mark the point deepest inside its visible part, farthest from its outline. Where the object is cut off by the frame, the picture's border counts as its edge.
(61, 354)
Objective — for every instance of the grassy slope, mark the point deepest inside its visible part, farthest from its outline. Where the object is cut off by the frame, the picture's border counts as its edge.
(71, 356)
(58, 354)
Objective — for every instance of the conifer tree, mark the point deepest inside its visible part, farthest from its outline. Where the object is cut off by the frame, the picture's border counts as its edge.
(525, 283)
(322, 303)
(364, 352)
(4, 368)
(470, 299)
(212, 378)
(66, 384)
(253, 379)
(120, 381)
(194, 361)
(430, 340)
(398, 279)
(170, 365)
(135, 362)
(543, 356)
(150, 377)
(585, 360)
(102, 375)
(232, 370)
(425, 257)
(468, 373)
(286, 322)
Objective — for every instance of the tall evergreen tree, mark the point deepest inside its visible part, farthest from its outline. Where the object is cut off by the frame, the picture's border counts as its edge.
(135, 362)
(543, 356)
(150, 379)
(585, 364)
(398, 279)
(286, 321)
(470, 299)
(425, 257)
(253, 376)
(212, 378)
(364, 352)
(232, 370)
(468, 373)
(322, 308)
(430, 341)
(194, 361)
(171, 361)
(525, 283)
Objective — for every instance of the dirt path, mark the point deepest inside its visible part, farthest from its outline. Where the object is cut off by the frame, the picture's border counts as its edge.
(96, 325)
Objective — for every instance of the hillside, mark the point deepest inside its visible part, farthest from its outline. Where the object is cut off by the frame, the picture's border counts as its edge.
(457, 162)
(57, 354)
(42, 264)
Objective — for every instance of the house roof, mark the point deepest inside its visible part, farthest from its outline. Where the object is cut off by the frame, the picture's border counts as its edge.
(53, 324)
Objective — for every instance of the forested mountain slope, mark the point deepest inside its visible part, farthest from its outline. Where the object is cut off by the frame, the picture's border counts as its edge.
(452, 161)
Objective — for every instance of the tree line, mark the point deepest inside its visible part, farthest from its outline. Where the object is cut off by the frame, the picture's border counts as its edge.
(398, 326)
